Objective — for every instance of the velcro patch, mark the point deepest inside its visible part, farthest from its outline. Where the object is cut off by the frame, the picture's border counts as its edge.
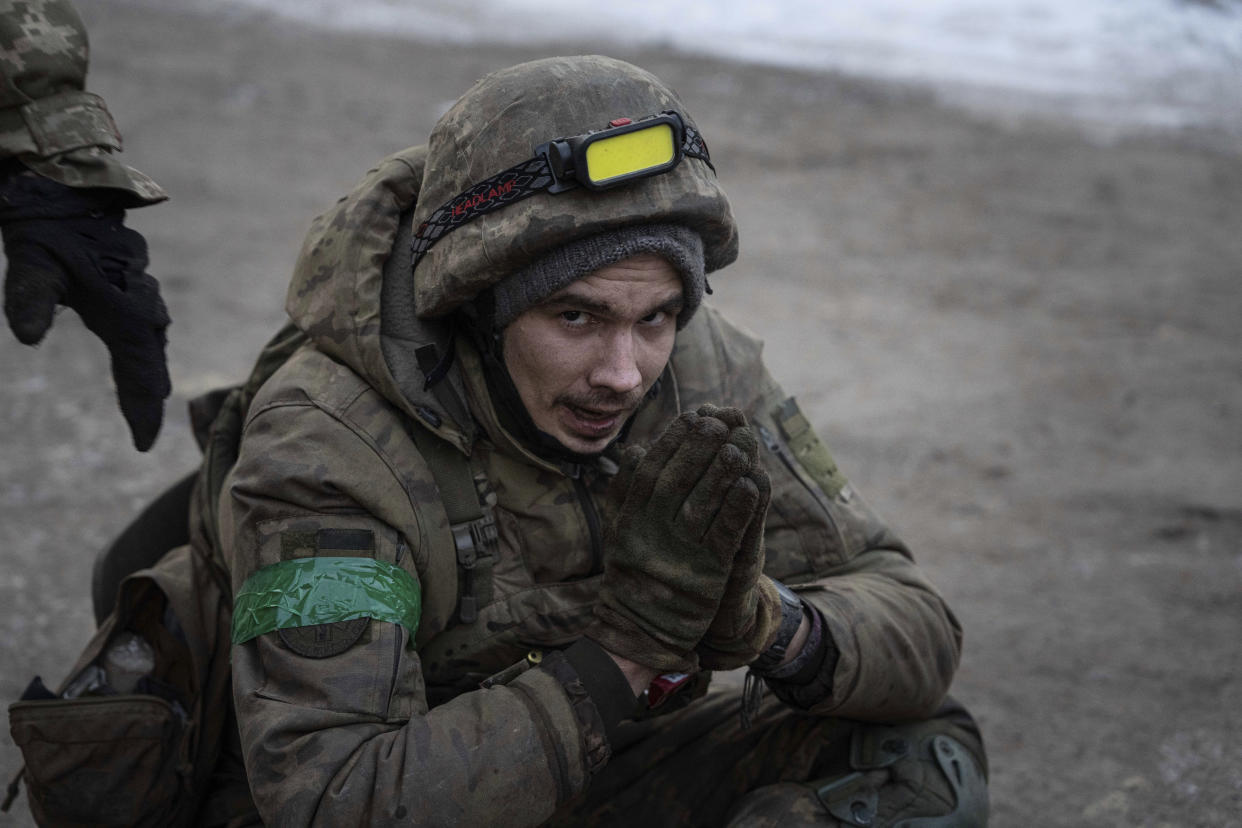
(345, 542)
(328, 543)
(297, 544)
(807, 448)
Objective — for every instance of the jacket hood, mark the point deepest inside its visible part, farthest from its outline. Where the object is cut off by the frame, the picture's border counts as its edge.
(353, 297)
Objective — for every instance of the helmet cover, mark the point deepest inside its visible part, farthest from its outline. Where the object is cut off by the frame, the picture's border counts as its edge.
(498, 123)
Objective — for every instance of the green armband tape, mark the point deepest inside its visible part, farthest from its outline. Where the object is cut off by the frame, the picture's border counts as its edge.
(306, 591)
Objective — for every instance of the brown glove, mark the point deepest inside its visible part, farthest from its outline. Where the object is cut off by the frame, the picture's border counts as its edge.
(749, 614)
(685, 505)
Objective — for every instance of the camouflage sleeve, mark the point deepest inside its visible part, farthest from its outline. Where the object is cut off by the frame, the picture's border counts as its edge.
(48, 121)
(897, 642)
(334, 718)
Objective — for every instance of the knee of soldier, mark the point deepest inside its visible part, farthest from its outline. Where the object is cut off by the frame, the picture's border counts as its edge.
(929, 774)
(942, 783)
(953, 719)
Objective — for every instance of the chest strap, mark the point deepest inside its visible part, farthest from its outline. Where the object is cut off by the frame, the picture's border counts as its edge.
(471, 520)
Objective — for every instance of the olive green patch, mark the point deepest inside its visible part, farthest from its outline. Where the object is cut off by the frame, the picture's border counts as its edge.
(807, 448)
(297, 544)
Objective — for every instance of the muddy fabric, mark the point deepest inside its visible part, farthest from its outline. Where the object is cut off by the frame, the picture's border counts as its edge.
(398, 728)
(749, 613)
(701, 767)
(47, 120)
(670, 547)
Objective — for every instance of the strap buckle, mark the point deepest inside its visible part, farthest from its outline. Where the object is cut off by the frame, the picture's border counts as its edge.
(475, 540)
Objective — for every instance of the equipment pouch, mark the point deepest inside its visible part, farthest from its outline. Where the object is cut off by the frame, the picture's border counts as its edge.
(101, 760)
(130, 738)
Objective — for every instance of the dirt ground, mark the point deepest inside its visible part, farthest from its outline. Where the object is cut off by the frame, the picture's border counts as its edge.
(1024, 345)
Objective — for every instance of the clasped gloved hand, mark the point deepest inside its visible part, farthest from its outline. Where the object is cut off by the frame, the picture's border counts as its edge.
(749, 614)
(685, 507)
(61, 251)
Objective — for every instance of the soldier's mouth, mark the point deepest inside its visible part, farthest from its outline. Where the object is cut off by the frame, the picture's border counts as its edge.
(593, 423)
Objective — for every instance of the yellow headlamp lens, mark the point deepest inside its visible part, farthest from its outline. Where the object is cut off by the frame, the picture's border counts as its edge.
(632, 153)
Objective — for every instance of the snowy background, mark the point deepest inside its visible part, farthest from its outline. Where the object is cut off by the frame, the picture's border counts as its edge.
(1114, 65)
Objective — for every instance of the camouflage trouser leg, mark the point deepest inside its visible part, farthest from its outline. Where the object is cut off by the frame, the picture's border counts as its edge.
(700, 767)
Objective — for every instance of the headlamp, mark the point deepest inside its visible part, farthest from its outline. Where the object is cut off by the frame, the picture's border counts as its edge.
(624, 151)
(627, 150)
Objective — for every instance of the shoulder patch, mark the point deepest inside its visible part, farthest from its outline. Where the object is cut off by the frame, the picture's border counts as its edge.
(808, 449)
(324, 640)
(307, 543)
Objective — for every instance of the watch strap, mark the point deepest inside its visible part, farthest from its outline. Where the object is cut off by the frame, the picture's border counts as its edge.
(792, 613)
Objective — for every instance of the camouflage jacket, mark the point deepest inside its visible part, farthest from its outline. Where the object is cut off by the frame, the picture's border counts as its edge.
(47, 119)
(384, 720)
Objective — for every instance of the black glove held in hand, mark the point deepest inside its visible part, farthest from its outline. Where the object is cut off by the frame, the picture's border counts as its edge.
(97, 266)
(685, 505)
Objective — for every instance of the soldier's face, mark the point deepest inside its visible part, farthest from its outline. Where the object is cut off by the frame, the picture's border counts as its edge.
(583, 359)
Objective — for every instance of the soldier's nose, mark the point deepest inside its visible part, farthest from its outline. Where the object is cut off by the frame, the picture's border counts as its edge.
(616, 367)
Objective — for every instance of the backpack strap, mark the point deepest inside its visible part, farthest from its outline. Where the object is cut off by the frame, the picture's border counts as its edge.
(470, 518)
(221, 416)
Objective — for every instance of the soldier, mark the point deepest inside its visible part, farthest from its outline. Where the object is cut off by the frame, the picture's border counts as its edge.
(518, 305)
(63, 197)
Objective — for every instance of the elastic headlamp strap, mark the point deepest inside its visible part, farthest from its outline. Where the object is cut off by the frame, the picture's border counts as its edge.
(520, 181)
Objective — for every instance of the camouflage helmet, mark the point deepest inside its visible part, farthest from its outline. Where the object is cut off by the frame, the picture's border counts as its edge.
(498, 123)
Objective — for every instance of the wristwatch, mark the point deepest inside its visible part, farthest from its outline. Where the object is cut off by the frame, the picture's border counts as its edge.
(792, 613)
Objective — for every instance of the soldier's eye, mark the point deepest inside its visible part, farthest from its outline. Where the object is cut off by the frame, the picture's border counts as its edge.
(574, 318)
